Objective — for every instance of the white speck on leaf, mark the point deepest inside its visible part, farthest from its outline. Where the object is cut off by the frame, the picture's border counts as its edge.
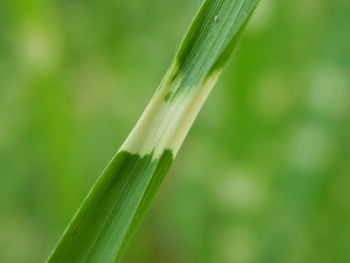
(216, 18)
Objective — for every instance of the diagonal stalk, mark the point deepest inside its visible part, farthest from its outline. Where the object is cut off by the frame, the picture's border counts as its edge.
(116, 204)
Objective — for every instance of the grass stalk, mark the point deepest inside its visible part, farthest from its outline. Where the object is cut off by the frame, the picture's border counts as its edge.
(103, 225)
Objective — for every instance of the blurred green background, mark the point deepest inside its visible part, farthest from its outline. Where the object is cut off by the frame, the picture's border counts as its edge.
(263, 176)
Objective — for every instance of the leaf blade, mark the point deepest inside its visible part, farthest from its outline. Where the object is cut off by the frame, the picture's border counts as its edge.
(117, 202)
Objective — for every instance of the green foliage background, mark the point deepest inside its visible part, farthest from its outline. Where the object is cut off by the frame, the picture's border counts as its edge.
(263, 176)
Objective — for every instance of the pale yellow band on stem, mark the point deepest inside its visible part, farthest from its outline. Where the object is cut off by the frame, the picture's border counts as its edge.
(165, 123)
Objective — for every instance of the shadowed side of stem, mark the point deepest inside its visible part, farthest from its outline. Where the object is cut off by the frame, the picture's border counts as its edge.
(113, 209)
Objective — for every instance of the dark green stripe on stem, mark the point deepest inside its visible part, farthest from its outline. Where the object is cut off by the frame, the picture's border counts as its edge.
(120, 198)
(211, 40)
